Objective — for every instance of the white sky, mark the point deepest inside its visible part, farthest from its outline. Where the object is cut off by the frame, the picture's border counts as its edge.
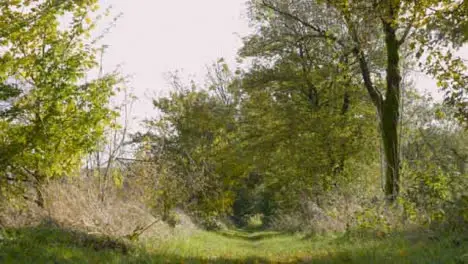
(154, 37)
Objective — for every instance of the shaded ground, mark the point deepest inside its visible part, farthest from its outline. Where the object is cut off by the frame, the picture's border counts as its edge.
(249, 236)
(45, 245)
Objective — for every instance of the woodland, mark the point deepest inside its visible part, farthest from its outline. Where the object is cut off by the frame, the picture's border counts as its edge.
(316, 147)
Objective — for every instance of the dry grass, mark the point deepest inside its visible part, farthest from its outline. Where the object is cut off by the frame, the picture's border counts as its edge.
(75, 204)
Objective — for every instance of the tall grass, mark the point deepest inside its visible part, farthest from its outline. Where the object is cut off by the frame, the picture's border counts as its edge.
(75, 205)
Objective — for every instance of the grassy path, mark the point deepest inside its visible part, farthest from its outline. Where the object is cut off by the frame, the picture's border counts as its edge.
(42, 245)
(272, 247)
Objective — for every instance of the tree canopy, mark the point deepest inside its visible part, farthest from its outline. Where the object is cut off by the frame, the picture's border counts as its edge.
(51, 114)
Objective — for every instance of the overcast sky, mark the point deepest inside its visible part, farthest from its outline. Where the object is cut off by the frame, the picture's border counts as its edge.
(154, 37)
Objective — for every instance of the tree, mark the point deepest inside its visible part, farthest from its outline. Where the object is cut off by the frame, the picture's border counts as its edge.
(52, 116)
(372, 35)
(190, 144)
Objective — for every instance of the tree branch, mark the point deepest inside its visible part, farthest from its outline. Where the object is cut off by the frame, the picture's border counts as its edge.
(321, 33)
(407, 30)
(375, 94)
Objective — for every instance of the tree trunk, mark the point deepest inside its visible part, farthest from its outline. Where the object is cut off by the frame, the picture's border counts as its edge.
(389, 122)
(40, 201)
(390, 113)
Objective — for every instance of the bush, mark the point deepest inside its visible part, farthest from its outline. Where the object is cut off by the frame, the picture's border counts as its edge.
(435, 198)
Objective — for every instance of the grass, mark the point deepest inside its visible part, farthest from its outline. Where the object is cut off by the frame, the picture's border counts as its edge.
(51, 245)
